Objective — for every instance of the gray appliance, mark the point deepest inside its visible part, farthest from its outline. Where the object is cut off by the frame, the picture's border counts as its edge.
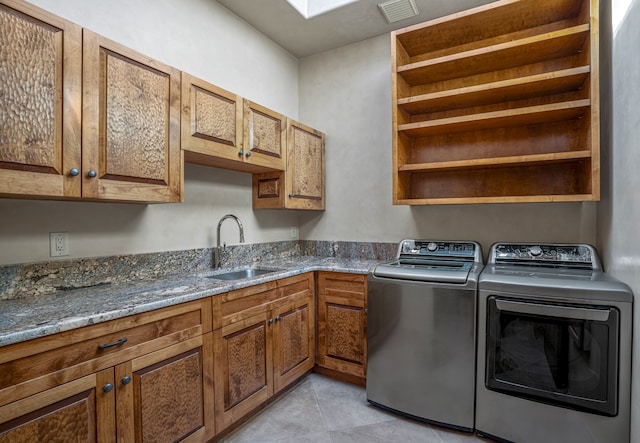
(421, 343)
(554, 347)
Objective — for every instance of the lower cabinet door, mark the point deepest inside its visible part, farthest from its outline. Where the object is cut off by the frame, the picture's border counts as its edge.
(165, 396)
(293, 341)
(342, 340)
(78, 411)
(243, 362)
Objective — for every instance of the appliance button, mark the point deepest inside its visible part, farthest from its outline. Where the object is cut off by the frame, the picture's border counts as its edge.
(535, 251)
(432, 247)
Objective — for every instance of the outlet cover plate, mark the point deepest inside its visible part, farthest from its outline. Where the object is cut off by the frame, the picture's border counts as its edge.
(59, 244)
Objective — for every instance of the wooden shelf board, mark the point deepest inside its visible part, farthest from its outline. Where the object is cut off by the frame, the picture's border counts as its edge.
(516, 160)
(483, 22)
(502, 199)
(511, 117)
(529, 50)
(507, 90)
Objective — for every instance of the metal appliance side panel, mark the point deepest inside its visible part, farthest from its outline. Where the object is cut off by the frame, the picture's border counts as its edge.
(525, 421)
(421, 350)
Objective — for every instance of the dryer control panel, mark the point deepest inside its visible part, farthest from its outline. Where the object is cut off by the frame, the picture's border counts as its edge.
(545, 254)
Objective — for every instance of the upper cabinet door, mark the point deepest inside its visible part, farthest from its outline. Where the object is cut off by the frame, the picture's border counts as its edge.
(40, 102)
(305, 169)
(211, 124)
(130, 125)
(264, 137)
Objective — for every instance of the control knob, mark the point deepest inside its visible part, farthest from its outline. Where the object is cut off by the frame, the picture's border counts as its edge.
(535, 251)
(432, 247)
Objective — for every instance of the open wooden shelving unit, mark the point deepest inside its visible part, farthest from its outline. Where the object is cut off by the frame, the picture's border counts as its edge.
(499, 103)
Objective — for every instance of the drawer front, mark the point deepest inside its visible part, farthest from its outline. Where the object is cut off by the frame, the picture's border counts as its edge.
(239, 305)
(25, 367)
(343, 285)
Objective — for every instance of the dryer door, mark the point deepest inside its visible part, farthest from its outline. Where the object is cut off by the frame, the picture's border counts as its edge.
(561, 354)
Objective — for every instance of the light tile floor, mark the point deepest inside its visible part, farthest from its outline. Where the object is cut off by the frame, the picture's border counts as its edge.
(322, 410)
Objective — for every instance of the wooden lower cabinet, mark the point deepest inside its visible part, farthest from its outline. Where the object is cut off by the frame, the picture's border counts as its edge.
(163, 396)
(142, 378)
(342, 322)
(266, 341)
(76, 411)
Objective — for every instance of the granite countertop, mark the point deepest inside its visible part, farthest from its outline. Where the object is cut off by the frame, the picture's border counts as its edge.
(26, 319)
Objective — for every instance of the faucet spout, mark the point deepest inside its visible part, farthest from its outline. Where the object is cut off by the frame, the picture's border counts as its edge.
(217, 259)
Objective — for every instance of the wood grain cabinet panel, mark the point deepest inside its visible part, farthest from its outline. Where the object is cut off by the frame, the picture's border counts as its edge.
(40, 103)
(498, 104)
(264, 141)
(302, 185)
(342, 321)
(76, 411)
(84, 117)
(212, 127)
(148, 377)
(130, 124)
(264, 341)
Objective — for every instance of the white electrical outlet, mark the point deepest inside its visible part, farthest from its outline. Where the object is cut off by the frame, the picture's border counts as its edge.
(294, 232)
(59, 243)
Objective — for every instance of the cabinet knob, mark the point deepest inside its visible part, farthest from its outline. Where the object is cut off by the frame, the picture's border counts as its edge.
(290, 195)
(92, 173)
(270, 321)
(108, 387)
(240, 153)
(126, 380)
(248, 154)
(74, 172)
(277, 318)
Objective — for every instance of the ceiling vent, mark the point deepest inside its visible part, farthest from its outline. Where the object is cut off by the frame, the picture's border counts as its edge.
(396, 10)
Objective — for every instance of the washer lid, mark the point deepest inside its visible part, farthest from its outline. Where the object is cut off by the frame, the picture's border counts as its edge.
(437, 271)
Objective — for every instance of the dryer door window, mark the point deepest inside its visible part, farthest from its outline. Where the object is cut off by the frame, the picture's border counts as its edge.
(565, 355)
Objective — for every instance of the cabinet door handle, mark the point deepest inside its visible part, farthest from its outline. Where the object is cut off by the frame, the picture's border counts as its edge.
(126, 380)
(240, 153)
(92, 173)
(108, 387)
(270, 321)
(74, 172)
(277, 318)
(248, 154)
(122, 341)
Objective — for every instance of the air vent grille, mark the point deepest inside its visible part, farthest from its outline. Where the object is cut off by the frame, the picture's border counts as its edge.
(396, 10)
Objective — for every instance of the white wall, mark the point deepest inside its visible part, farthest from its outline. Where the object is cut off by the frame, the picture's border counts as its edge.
(202, 38)
(619, 211)
(347, 94)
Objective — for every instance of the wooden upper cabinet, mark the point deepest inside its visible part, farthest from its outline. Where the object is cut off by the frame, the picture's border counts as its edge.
(40, 102)
(499, 103)
(211, 125)
(302, 185)
(83, 117)
(264, 142)
(130, 125)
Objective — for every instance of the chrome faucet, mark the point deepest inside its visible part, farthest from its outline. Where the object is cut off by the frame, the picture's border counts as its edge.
(217, 258)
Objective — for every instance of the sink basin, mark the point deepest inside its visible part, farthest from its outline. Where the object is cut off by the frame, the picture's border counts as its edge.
(239, 275)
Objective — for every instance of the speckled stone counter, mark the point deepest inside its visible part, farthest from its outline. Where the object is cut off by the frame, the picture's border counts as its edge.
(29, 317)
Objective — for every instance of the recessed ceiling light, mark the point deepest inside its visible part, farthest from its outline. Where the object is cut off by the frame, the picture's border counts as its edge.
(396, 10)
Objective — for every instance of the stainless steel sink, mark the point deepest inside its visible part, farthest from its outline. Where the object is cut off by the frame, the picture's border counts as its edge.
(239, 275)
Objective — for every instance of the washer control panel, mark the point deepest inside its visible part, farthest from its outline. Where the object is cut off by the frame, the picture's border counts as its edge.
(544, 254)
(433, 248)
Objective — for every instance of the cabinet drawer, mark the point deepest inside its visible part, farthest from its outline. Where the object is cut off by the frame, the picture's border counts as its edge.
(344, 285)
(239, 305)
(29, 367)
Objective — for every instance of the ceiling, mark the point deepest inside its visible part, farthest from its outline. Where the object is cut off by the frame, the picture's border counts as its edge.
(351, 23)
